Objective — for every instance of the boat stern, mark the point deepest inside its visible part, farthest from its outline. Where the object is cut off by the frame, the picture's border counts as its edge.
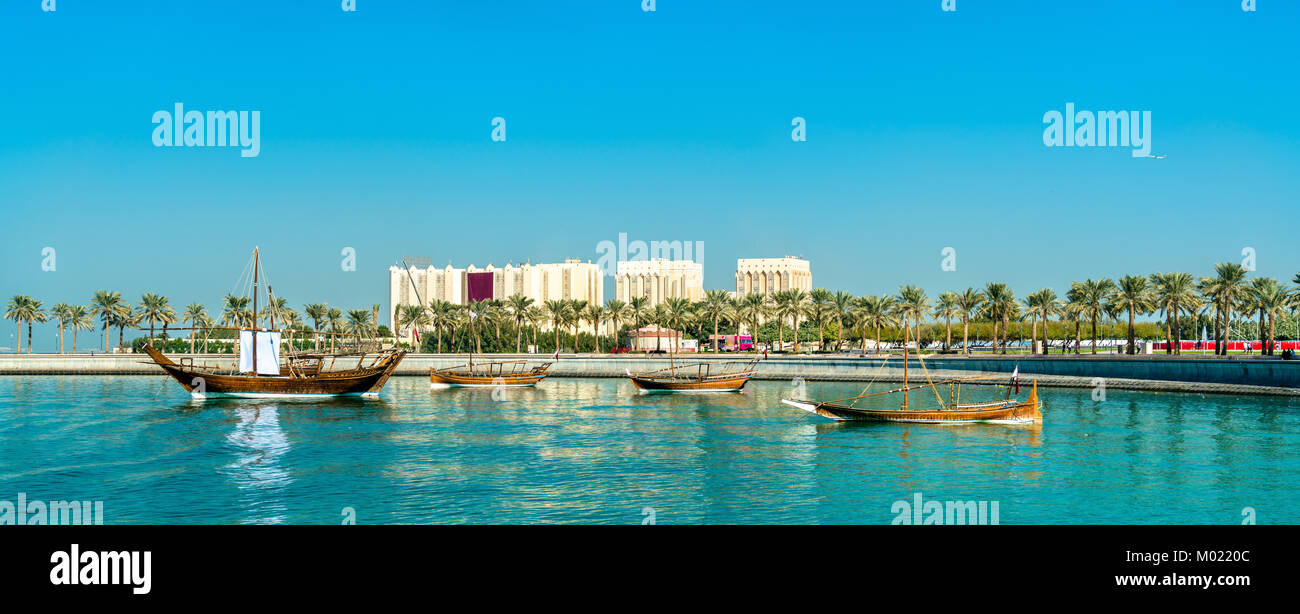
(804, 405)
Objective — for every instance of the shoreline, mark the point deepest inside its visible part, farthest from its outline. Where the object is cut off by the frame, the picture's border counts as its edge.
(1241, 375)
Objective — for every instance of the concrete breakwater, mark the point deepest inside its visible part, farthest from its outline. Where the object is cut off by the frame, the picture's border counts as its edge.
(1235, 375)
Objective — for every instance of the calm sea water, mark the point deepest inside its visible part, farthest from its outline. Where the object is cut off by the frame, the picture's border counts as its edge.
(594, 451)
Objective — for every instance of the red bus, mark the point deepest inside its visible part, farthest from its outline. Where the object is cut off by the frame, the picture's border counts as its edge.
(732, 343)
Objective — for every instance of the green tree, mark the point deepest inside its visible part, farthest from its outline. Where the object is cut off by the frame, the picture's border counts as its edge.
(716, 306)
(517, 306)
(316, 313)
(107, 306)
(968, 303)
(946, 308)
(195, 314)
(874, 312)
(79, 318)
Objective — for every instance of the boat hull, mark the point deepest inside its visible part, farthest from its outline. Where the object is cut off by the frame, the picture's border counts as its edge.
(1023, 412)
(659, 385)
(507, 374)
(202, 384)
(452, 380)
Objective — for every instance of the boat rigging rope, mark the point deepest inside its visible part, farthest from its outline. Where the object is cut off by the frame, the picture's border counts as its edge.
(871, 381)
(927, 378)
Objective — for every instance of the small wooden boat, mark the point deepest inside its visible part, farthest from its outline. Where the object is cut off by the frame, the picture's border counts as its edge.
(1005, 411)
(726, 376)
(298, 375)
(491, 374)
(505, 373)
(1010, 411)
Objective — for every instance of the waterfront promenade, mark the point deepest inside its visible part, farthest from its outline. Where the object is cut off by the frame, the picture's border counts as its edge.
(1231, 375)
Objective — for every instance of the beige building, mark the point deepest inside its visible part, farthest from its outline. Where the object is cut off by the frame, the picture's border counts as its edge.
(768, 275)
(569, 280)
(659, 279)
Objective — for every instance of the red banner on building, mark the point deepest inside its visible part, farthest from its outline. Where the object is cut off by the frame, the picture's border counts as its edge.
(479, 286)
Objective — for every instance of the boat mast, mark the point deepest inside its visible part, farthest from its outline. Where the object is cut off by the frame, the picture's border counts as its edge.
(418, 301)
(472, 337)
(905, 329)
(256, 264)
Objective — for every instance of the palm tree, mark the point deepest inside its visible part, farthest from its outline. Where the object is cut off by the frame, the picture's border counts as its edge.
(79, 318)
(639, 306)
(874, 312)
(841, 306)
(414, 317)
(1094, 295)
(20, 310)
(535, 315)
(557, 312)
(659, 315)
(968, 303)
(477, 312)
(1074, 309)
(206, 323)
(1134, 296)
(359, 324)
(594, 314)
(235, 311)
(38, 315)
(442, 314)
(1041, 305)
(195, 313)
(275, 312)
(574, 318)
(289, 320)
(753, 308)
(517, 306)
(715, 306)
(913, 305)
(495, 315)
(154, 308)
(1174, 293)
(946, 308)
(1270, 299)
(316, 313)
(677, 312)
(790, 304)
(617, 313)
(107, 306)
(1224, 291)
(999, 304)
(1295, 292)
(820, 306)
(62, 312)
(334, 321)
(131, 317)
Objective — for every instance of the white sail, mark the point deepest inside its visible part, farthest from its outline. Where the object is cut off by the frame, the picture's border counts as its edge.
(268, 352)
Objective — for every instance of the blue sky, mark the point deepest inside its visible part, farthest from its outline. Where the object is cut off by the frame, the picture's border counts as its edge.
(924, 130)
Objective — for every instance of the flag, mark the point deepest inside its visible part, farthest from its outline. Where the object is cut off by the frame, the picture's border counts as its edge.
(557, 353)
(1015, 378)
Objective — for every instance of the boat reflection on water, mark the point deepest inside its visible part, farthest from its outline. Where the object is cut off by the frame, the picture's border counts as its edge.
(1026, 434)
(258, 445)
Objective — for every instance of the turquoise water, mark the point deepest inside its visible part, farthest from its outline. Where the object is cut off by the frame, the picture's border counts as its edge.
(594, 451)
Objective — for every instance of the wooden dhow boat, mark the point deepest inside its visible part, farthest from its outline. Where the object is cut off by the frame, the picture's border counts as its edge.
(704, 376)
(490, 374)
(506, 373)
(261, 371)
(301, 376)
(1005, 411)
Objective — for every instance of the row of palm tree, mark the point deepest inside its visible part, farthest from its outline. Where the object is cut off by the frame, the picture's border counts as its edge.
(155, 310)
(1173, 295)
